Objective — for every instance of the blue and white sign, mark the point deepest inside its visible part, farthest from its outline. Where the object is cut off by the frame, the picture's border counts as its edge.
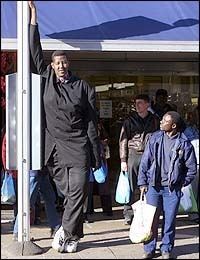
(67, 21)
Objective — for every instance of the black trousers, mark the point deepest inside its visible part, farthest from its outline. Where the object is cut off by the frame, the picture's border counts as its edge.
(102, 189)
(72, 182)
(134, 159)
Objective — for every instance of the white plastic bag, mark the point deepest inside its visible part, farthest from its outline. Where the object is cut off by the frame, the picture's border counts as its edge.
(140, 229)
(188, 202)
(122, 193)
(8, 195)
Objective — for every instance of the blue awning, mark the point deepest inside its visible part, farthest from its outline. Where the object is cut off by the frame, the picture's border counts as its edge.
(110, 20)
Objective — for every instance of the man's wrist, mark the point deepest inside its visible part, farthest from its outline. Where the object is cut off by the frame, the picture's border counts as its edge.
(143, 187)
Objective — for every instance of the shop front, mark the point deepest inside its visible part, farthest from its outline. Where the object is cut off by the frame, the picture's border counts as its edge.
(122, 48)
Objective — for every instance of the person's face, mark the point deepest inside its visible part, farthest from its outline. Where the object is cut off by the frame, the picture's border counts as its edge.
(141, 105)
(161, 99)
(166, 124)
(60, 64)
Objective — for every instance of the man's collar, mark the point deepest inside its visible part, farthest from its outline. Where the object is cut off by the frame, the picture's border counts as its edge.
(64, 79)
(172, 136)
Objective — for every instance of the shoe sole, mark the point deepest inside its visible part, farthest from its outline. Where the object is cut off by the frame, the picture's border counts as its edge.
(55, 246)
(127, 223)
(66, 250)
(148, 256)
(72, 251)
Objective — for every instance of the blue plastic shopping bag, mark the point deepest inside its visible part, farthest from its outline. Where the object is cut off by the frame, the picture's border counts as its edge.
(8, 195)
(101, 173)
(122, 194)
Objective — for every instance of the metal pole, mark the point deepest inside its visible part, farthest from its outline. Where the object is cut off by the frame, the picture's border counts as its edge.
(23, 126)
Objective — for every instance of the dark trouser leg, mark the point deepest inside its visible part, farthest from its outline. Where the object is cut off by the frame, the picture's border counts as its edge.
(133, 166)
(88, 207)
(106, 203)
(90, 204)
(73, 184)
(105, 196)
(38, 209)
(77, 192)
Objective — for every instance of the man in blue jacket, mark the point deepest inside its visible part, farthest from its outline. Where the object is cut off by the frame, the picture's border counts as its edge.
(168, 164)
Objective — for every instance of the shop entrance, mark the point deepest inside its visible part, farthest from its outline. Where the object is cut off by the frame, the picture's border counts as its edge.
(119, 76)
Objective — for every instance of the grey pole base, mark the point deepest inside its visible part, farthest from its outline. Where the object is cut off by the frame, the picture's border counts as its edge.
(26, 248)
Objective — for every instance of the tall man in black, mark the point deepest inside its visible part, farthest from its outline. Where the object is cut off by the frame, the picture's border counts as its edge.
(71, 139)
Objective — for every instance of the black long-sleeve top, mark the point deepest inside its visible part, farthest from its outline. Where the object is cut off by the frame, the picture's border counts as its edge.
(70, 114)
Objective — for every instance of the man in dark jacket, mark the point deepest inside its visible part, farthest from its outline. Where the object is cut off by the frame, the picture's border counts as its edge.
(134, 134)
(168, 164)
(161, 106)
(71, 140)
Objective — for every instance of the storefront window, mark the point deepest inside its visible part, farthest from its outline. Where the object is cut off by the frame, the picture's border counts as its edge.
(182, 91)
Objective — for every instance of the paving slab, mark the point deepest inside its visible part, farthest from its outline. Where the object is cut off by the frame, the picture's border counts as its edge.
(105, 238)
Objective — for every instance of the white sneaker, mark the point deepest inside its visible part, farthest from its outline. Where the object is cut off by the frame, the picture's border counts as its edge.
(58, 239)
(71, 246)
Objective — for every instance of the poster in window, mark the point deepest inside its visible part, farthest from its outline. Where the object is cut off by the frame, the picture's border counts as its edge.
(105, 108)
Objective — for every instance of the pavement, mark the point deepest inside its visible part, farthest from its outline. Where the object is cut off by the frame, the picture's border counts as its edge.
(105, 238)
